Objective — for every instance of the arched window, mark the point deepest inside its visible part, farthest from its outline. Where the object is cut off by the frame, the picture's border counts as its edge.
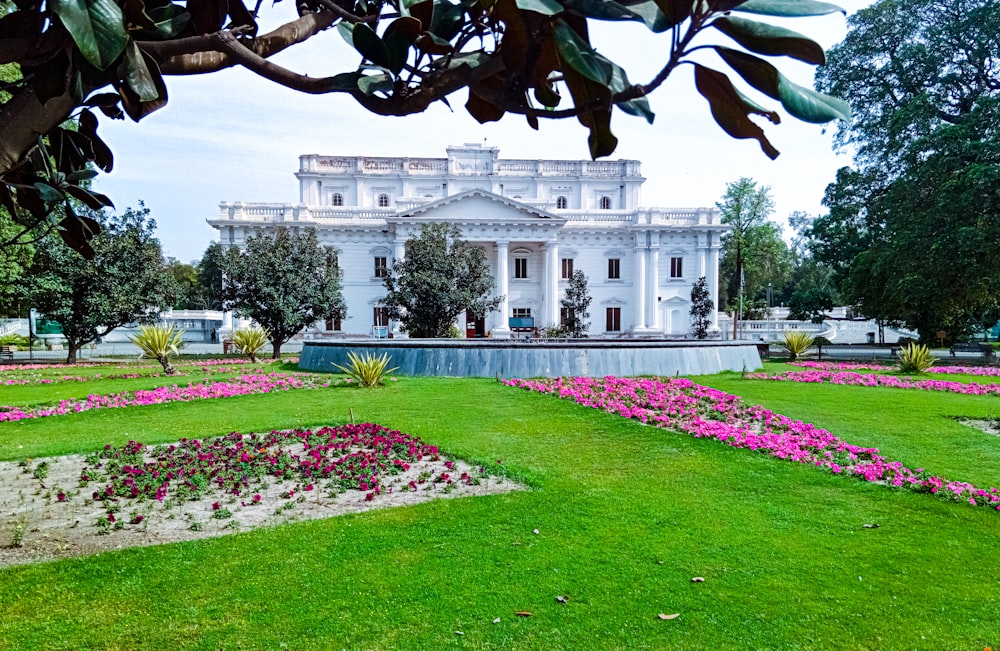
(561, 203)
(383, 201)
(605, 202)
(337, 199)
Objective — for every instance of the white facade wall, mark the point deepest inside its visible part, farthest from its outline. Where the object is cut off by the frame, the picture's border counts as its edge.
(542, 211)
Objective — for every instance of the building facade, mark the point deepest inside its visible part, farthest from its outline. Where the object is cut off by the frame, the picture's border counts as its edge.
(537, 220)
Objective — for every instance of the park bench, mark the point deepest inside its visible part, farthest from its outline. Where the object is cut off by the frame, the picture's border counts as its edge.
(228, 346)
(6, 352)
(971, 347)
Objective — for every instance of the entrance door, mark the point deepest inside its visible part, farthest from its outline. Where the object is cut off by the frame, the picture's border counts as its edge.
(475, 326)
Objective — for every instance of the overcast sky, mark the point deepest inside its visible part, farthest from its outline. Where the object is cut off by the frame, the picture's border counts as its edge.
(231, 136)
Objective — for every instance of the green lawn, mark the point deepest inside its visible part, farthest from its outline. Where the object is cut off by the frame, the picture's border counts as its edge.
(626, 514)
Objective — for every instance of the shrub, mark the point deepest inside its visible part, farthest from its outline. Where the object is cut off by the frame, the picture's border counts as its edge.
(796, 343)
(454, 332)
(369, 370)
(250, 340)
(159, 342)
(915, 358)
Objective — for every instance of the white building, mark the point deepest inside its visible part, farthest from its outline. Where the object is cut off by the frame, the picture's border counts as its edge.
(538, 220)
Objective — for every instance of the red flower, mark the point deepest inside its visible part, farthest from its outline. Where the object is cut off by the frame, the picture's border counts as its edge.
(216, 506)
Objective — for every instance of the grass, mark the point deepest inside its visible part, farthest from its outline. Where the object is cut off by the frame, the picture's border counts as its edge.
(786, 559)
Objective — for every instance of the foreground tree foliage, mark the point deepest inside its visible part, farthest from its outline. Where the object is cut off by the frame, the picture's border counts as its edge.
(440, 277)
(912, 226)
(284, 282)
(125, 282)
(528, 57)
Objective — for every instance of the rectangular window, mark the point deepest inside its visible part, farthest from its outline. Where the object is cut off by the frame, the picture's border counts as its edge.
(333, 325)
(567, 268)
(381, 267)
(380, 316)
(614, 268)
(676, 267)
(566, 315)
(521, 313)
(614, 320)
(520, 267)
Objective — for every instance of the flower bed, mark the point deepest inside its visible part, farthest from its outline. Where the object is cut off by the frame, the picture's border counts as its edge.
(988, 371)
(219, 370)
(243, 385)
(349, 457)
(682, 405)
(872, 380)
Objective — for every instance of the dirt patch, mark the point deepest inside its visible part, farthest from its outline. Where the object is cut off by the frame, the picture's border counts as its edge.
(46, 514)
(991, 427)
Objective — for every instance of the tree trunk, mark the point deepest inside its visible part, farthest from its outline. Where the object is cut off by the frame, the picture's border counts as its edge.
(73, 349)
(277, 349)
(168, 368)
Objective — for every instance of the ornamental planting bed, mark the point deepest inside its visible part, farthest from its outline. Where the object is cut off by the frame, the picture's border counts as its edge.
(703, 412)
(138, 495)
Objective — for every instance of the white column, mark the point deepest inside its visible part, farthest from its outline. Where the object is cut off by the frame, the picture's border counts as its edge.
(639, 284)
(653, 290)
(227, 322)
(399, 252)
(712, 280)
(551, 291)
(502, 331)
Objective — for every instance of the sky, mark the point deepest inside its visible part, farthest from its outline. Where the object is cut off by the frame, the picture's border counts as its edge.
(232, 136)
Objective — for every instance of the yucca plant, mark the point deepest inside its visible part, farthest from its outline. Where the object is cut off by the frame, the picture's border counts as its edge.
(250, 340)
(796, 343)
(369, 370)
(915, 358)
(159, 342)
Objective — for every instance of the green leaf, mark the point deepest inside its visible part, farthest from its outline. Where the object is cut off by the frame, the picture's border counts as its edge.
(97, 28)
(801, 102)
(727, 108)
(138, 75)
(675, 11)
(578, 54)
(371, 47)
(372, 84)
(345, 81)
(601, 10)
(790, 8)
(650, 14)
(48, 193)
(639, 106)
(770, 39)
(544, 7)
(170, 19)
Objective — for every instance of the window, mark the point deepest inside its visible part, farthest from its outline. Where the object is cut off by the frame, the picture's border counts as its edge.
(333, 324)
(614, 319)
(383, 201)
(561, 203)
(380, 317)
(381, 267)
(614, 268)
(337, 200)
(567, 268)
(521, 313)
(676, 267)
(605, 202)
(520, 267)
(567, 316)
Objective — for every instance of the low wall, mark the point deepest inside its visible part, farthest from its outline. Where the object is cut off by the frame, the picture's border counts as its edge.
(489, 357)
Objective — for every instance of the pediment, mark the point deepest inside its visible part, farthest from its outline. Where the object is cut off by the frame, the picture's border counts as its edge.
(476, 205)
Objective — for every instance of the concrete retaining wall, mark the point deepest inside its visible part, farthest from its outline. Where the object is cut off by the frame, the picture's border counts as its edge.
(489, 358)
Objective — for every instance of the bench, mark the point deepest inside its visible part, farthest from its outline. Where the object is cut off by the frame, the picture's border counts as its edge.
(764, 350)
(971, 347)
(228, 346)
(6, 352)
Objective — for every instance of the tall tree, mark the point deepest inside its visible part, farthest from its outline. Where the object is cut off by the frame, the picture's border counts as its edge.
(701, 309)
(440, 277)
(576, 305)
(753, 253)
(526, 57)
(909, 226)
(186, 279)
(208, 290)
(125, 282)
(284, 282)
